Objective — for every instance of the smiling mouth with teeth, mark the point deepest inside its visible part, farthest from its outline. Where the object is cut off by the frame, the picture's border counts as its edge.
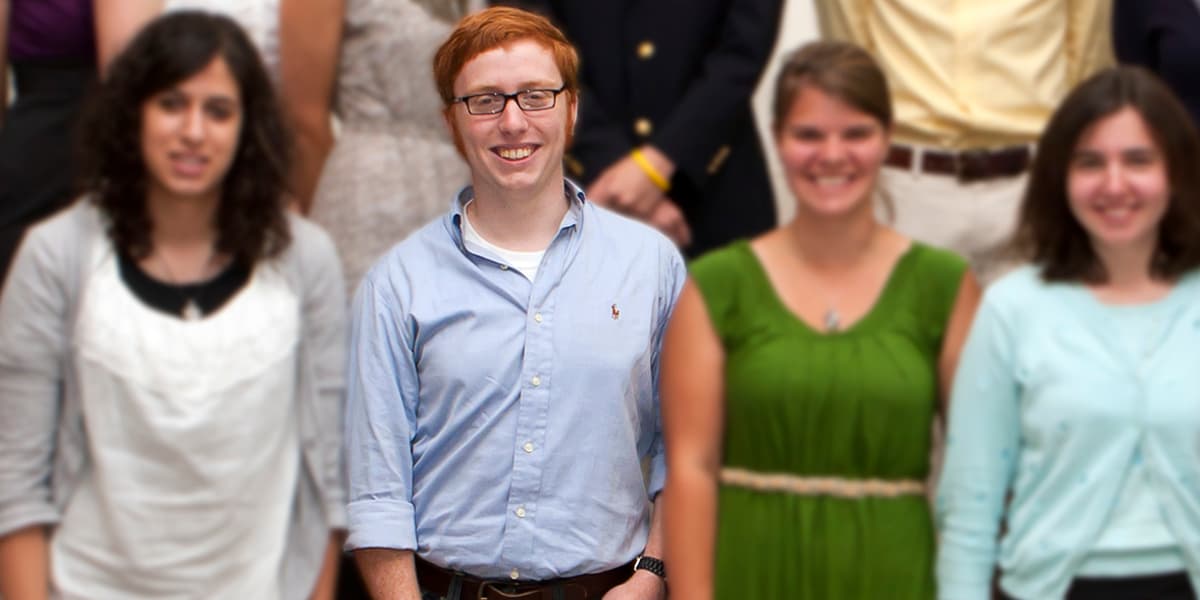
(515, 153)
(829, 180)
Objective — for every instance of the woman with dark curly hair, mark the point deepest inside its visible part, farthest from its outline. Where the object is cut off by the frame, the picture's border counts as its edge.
(171, 349)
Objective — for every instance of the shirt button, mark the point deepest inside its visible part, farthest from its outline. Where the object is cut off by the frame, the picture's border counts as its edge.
(514, 574)
(536, 381)
(520, 512)
(528, 447)
(645, 50)
(643, 127)
(503, 267)
(537, 317)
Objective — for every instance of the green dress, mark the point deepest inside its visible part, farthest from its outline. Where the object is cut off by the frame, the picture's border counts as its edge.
(856, 404)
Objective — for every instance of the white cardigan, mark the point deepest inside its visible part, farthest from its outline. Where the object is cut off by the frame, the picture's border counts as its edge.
(43, 447)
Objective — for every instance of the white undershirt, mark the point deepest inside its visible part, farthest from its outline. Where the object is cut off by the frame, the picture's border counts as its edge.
(193, 446)
(525, 263)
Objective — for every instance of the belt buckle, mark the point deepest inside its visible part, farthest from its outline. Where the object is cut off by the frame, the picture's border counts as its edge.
(498, 587)
(971, 165)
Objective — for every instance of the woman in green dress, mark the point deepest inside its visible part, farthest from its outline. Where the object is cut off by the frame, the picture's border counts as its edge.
(802, 371)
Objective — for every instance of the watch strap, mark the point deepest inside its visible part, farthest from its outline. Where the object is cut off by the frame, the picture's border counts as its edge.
(650, 563)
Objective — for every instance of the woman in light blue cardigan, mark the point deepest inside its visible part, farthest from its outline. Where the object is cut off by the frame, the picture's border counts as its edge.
(1075, 414)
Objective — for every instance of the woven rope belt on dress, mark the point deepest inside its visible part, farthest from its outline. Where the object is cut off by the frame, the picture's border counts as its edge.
(837, 487)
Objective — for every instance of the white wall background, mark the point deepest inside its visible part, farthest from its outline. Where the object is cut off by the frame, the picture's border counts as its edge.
(799, 26)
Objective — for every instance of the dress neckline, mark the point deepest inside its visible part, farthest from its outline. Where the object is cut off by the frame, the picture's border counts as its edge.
(874, 313)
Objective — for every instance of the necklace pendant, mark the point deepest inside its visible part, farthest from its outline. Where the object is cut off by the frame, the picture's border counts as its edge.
(832, 320)
(191, 312)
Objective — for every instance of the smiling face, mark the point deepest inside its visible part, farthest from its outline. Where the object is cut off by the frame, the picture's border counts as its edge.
(513, 152)
(831, 154)
(1117, 184)
(190, 133)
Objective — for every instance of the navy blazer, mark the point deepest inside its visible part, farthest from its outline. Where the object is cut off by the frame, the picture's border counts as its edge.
(679, 75)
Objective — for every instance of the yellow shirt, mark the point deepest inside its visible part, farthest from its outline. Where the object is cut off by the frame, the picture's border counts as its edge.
(975, 73)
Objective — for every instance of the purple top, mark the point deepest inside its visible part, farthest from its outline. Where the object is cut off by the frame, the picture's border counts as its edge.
(51, 29)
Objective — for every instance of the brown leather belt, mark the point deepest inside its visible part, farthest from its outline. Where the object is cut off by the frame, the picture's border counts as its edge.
(583, 587)
(968, 165)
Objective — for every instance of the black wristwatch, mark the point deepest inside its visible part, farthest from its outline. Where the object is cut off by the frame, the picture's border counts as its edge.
(649, 563)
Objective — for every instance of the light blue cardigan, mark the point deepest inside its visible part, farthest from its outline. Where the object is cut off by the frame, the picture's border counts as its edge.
(1048, 400)
(43, 447)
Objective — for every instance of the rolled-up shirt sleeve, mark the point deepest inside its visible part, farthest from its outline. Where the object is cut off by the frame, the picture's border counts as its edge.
(981, 454)
(380, 423)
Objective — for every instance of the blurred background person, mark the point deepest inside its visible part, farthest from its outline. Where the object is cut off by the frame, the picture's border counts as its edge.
(973, 84)
(1163, 36)
(117, 21)
(171, 349)
(1076, 408)
(802, 371)
(393, 167)
(665, 133)
(50, 48)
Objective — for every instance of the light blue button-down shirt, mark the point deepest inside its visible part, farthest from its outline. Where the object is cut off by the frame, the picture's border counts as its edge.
(1056, 401)
(498, 426)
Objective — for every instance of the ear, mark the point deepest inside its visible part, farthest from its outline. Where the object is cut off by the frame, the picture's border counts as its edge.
(452, 129)
(574, 108)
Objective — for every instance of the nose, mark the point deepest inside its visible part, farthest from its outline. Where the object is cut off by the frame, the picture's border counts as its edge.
(512, 118)
(1114, 178)
(833, 149)
(194, 125)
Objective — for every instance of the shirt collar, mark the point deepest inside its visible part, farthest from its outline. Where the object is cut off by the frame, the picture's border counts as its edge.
(575, 196)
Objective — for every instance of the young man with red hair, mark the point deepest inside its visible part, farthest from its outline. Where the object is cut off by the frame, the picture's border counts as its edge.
(504, 360)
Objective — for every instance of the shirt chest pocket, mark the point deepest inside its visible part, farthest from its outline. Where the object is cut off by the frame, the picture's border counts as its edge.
(611, 336)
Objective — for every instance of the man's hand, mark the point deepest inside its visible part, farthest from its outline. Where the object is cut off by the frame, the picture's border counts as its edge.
(643, 585)
(626, 188)
(668, 219)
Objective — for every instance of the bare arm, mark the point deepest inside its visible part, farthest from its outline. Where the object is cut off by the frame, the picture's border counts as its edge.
(326, 586)
(389, 574)
(117, 21)
(965, 304)
(310, 32)
(24, 565)
(693, 367)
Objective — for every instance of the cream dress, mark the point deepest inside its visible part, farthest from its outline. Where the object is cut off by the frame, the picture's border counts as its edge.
(394, 167)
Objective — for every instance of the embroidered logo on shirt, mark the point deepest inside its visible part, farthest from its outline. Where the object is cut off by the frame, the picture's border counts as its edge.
(616, 312)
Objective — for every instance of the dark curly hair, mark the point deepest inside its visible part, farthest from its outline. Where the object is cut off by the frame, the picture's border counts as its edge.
(1051, 237)
(250, 220)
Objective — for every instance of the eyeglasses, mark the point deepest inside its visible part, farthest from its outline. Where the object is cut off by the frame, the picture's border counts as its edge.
(494, 103)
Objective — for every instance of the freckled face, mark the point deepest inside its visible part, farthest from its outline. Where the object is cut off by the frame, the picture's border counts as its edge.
(831, 153)
(190, 133)
(514, 150)
(1117, 183)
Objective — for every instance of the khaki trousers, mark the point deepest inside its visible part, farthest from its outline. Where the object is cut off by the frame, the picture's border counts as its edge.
(975, 219)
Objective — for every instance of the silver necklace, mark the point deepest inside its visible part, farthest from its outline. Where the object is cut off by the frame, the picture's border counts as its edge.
(191, 310)
(832, 320)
